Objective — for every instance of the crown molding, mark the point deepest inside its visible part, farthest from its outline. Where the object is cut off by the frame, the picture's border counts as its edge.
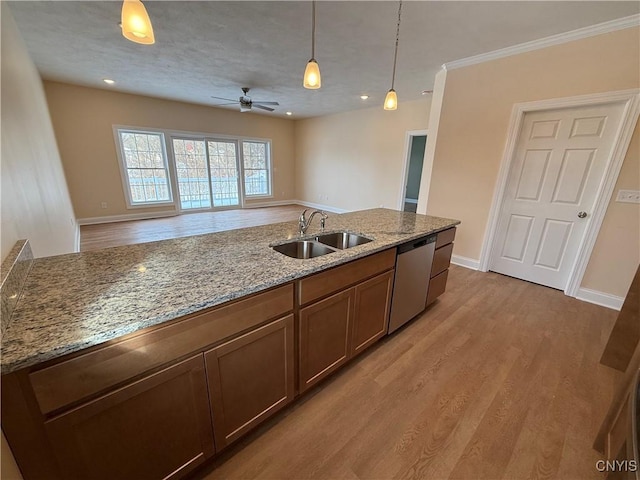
(593, 30)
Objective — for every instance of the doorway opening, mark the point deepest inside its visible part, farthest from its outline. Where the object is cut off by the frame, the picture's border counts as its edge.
(417, 141)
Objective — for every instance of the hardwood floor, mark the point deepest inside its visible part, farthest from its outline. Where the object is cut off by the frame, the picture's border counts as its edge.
(94, 237)
(498, 379)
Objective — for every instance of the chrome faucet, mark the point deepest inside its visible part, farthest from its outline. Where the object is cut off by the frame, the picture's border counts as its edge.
(303, 223)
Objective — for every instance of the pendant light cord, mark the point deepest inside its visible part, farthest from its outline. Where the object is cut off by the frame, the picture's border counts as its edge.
(313, 29)
(395, 55)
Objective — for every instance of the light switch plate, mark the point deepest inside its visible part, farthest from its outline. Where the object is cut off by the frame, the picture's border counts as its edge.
(628, 196)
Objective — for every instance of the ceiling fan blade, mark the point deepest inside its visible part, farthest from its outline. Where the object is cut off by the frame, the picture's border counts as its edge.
(265, 103)
(223, 104)
(227, 99)
(268, 109)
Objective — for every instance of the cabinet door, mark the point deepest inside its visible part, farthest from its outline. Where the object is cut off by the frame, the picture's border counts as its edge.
(324, 337)
(158, 427)
(250, 378)
(371, 318)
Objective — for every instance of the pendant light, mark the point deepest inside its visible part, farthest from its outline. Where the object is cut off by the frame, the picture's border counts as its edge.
(391, 100)
(311, 78)
(136, 25)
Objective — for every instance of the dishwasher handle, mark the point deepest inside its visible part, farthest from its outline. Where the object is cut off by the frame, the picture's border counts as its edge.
(420, 242)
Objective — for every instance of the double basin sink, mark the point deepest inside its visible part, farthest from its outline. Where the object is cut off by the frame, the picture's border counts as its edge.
(321, 245)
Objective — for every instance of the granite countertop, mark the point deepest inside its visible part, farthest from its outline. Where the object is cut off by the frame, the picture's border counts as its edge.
(71, 302)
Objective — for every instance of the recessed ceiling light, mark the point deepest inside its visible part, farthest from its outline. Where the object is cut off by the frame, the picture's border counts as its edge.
(108, 81)
(364, 97)
(427, 92)
(289, 113)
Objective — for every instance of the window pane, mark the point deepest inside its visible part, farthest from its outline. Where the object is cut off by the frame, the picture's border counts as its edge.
(192, 173)
(224, 173)
(147, 174)
(256, 168)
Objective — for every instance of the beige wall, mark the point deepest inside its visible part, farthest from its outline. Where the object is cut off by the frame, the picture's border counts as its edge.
(476, 109)
(83, 119)
(35, 199)
(354, 160)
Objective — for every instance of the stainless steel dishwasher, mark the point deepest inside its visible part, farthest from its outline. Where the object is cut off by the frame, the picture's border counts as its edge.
(413, 270)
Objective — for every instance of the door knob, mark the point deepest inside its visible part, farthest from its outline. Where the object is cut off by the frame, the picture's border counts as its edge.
(582, 214)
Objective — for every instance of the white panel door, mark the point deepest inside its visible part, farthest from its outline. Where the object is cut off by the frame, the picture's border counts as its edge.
(558, 165)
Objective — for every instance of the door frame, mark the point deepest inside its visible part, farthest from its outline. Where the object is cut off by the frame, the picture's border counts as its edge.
(405, 167)
(631, 111)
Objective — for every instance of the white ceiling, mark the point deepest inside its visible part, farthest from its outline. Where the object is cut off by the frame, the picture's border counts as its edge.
(215, 48)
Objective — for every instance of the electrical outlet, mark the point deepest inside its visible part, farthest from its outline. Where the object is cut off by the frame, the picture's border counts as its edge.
(628, 196)
(103, 205)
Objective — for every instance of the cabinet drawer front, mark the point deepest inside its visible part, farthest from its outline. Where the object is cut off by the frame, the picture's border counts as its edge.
(157, 427)
(250, 379)
(441, 259)
(100, 369)
(437, 286)
(339, 278)
(445, 237)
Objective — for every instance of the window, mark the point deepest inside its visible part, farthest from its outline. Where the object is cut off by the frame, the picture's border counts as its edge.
(256, 168)
(145, 171)
(191, 170)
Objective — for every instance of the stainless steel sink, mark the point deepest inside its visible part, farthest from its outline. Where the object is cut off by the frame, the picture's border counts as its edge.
(303, 249)
(342, 240)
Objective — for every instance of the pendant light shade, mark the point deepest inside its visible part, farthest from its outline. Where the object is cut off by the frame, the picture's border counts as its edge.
(391, 100)
(312, 78)
(136, 25)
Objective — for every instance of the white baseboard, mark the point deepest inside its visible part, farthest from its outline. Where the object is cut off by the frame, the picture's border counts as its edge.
(465, 262)
(76, 240)
(319, 206)
(125, 217)
(600, 298)
(274, 203)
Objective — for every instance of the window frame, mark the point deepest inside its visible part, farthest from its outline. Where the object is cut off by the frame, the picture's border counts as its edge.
(269, 168)
(126, 186)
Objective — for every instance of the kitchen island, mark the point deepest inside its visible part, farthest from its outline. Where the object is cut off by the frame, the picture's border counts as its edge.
(96, 331)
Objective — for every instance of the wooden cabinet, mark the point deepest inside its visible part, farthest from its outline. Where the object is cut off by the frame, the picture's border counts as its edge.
(324, 337)
(250, 378)
(158, 403)
(440, 265)
(371, 312)
(157, 427)
(135, 409)
(335, 328)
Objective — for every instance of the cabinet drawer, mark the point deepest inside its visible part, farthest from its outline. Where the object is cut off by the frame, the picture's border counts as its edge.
(93, 372)
(437, 286)
(441, 259)
(445, 237)
(338, 278)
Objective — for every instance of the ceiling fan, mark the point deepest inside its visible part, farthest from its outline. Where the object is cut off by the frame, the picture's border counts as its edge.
(246, 103)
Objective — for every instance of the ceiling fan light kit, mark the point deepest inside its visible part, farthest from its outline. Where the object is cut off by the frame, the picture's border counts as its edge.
(312, 79)
(391, 100)
(246, 103)
(136, 25)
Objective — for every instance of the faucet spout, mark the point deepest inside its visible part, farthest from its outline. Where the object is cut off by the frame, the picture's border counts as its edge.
(303, 223)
